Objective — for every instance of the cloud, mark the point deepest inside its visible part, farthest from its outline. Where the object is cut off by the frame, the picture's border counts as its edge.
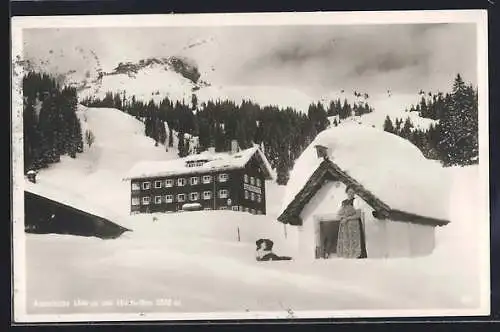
(404, 57)
(401, 56)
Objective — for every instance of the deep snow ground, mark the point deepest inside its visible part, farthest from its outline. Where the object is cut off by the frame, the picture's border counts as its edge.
(199, 262)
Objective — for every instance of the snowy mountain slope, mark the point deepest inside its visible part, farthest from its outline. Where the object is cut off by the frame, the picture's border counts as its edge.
(82, 69)
(154, 84)
(394, 106)
(97, 173)
(176, 255)
(149, 83)
(179, 77)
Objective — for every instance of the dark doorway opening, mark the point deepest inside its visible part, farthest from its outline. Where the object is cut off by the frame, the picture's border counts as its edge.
(328, 237)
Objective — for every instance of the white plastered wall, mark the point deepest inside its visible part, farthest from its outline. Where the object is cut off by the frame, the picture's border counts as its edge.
(384, 238)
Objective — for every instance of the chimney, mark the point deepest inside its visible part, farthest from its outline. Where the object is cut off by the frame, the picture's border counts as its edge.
(322, 151)
(31, 176)
(234, 146)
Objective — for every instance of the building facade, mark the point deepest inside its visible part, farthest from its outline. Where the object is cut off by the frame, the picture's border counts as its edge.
(194, 187)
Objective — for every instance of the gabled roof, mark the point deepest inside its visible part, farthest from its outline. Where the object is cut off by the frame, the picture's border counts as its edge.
(391, 168)
(329, 171)
(208, 162)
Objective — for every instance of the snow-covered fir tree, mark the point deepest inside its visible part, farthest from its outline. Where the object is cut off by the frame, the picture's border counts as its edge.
(388, 126)
(458, 126)
(53, 131)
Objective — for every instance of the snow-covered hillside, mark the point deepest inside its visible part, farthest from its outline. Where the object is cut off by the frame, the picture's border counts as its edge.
(394, 106)
(159, 79)
(205, 261)
(98, 172)
(148, 84)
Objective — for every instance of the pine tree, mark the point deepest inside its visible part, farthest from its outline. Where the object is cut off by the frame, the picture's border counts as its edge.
(181, 145)
(194, 102)
(79, 137)
(117, 101)
(388, 126)
(161, 131)
(334, 108)
(187, 147)
(432, 140)
(30, 137)
(318, 116)
(170, 137)
(423, 108)
(458, 129)
(406, 131)
(397, 129)
(282, 171)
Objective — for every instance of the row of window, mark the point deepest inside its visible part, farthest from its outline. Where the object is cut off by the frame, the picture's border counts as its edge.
(194, 196)
(252, 196)
(194, 180)
(252, 180)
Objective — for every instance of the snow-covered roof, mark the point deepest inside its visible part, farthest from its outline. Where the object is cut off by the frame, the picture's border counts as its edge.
(70, 199)
(209, 162)
(390, 167)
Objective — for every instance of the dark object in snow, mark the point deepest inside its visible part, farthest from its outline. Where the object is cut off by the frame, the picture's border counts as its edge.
(264, 251)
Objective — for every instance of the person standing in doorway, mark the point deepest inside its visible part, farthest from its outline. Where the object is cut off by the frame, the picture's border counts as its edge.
(351, 241)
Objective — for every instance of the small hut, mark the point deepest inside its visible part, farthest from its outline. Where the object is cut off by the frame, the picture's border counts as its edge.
(402, 197)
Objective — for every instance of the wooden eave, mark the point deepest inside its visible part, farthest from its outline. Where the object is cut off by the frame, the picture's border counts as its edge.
(329, 171)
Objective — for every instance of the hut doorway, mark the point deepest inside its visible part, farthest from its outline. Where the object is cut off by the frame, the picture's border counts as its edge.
(327, 239)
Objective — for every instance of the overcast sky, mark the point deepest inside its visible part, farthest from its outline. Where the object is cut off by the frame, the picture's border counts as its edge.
(372, 58)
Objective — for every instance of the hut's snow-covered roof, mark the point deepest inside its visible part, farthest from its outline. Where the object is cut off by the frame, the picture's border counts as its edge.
(390, 167)
(211, 162)
(73, 200)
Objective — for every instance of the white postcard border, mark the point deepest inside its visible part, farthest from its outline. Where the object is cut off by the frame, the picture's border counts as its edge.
(478, 17)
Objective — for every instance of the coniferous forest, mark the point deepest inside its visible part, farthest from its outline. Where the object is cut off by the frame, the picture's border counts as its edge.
(51, 126)
(454, 139)
(283, 133)
(52, 129)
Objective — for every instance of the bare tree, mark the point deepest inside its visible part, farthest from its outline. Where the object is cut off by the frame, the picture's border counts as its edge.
(89, 137)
